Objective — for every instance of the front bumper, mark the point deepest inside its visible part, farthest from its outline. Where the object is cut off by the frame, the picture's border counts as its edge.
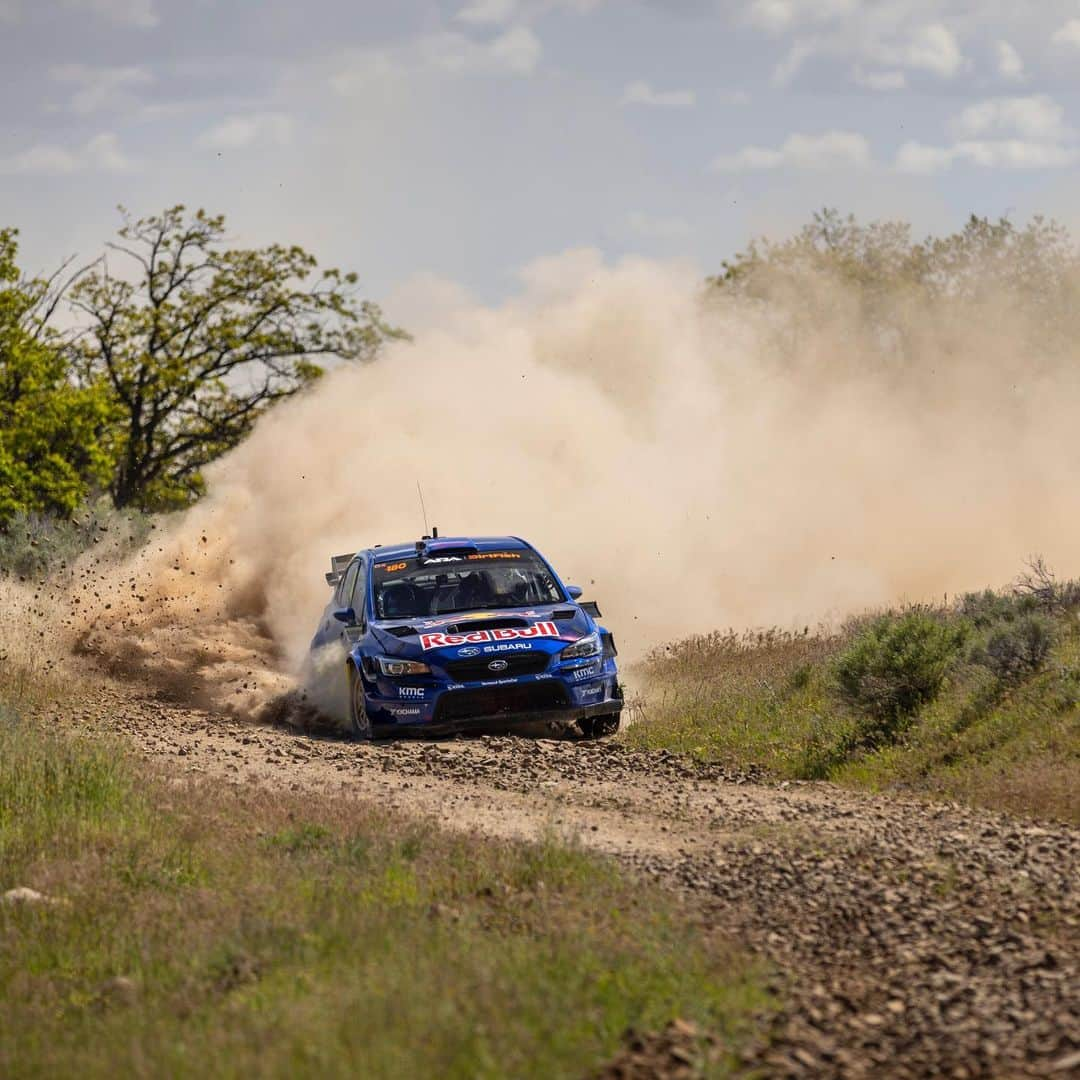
(548, 720)
(555, 699)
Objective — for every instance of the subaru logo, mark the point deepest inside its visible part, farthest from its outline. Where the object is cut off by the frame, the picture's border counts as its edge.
(498, 665)
(470, 651)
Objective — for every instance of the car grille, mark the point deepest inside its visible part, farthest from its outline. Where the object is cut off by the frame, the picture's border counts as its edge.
(476, 668)
(499, 700)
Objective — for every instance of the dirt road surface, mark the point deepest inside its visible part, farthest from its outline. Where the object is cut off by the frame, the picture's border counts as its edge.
(909, 939)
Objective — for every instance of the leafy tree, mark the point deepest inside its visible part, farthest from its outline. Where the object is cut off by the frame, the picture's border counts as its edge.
(197, 340)
(53, 450)
(995, 272)
(1037, 259)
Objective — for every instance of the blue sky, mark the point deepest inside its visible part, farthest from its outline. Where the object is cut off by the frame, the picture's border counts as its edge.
(465, 139)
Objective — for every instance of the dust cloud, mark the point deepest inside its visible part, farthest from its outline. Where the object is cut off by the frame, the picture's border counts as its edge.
(679, 457)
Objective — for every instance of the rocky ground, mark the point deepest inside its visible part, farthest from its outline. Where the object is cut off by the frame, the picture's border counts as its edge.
(909, 939)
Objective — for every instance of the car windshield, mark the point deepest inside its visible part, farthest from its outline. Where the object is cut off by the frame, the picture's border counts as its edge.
(408, 588)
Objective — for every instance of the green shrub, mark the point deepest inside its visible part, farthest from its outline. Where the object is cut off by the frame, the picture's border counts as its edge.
(1036, 590)
(1018, 649)
(893, 668)
(831, 706)
(984, 609)
(33, 545)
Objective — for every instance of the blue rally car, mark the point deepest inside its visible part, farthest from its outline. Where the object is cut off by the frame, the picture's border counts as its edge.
(447, 634)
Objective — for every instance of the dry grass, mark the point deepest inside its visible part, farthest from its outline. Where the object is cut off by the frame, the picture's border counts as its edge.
(30, 655)
(1002, 735)
(754, 697)
(210, 930)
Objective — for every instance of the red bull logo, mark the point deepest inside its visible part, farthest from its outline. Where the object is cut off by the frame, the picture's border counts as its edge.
(480, 637)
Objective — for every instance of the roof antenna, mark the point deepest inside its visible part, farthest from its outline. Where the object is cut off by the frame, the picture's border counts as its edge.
(423, 509)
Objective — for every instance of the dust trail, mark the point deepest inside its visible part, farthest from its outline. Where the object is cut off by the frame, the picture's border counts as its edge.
(671, 455)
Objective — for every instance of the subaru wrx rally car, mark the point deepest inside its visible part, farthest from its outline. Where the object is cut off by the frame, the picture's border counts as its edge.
(446, 634)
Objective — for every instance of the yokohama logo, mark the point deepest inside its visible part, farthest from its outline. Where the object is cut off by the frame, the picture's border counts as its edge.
(476, 637)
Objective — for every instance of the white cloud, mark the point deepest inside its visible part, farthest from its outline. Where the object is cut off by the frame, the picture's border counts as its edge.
(879, 80)
(933, 48)
(517, 50)
(658, 228)
(1017, 154)
(43, 159)
(772, 15)
(10, 11)
(503, 12)
(485, 12)
(882, 39)
(797, 55)
(1010, 64)
(235, 132)
(579, 7)
(1069, 34)
(999, 133)
(777, 16)
(830, 150)
(1037, 116)
(915, 157)
(138, 13)
(101, 87)
(642, 93)
(102, 153)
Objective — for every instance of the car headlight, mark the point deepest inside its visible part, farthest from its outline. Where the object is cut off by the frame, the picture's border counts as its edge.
(586, 646)
(387, 666)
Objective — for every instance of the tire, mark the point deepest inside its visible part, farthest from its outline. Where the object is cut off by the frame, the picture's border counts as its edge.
(359, 721)
(599, 727)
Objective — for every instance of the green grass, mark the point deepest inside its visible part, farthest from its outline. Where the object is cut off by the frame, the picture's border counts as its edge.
(210, 930)
(741, 698)
(978, 702)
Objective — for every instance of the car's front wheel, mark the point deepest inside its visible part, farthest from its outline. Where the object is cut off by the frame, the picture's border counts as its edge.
(596, 727)
(359, 721)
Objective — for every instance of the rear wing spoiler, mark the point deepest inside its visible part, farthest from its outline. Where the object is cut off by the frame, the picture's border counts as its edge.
(338, 566)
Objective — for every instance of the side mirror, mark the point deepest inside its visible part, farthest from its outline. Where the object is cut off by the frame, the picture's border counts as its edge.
(346, 616)
(574, 591)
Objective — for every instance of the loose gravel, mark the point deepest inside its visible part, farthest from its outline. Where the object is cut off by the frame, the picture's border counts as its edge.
(908, 939)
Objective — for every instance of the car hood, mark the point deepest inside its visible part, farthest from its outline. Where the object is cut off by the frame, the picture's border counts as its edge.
(470, 633)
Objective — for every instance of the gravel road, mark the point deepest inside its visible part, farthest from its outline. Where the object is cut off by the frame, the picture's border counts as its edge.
(909, 939)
